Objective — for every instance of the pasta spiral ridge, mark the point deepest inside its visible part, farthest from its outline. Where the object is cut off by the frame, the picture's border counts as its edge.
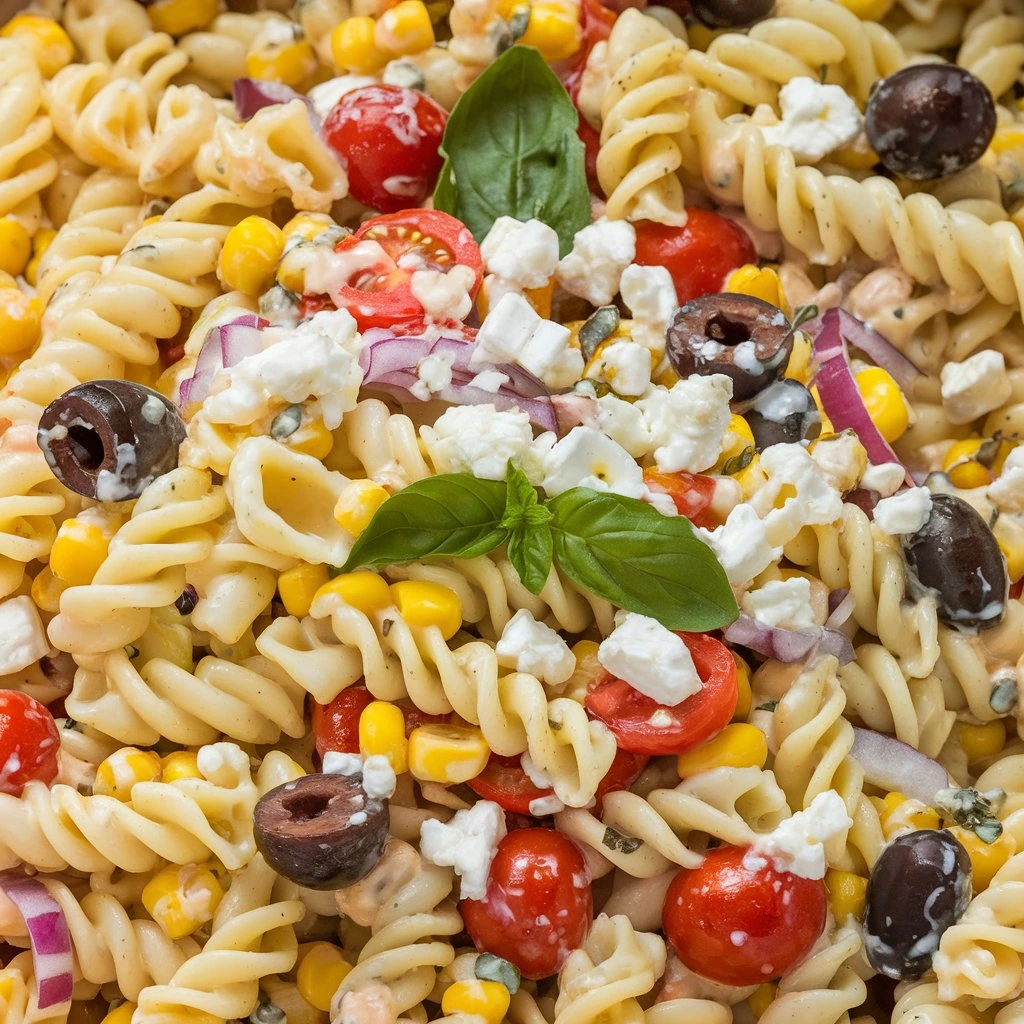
(919, 1003)
(993, 45)
(375, 444)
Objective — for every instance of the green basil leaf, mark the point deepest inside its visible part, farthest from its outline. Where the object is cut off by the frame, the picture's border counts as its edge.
(510, 148)
(454, 515)
(629, 553)
(530, 550)
(520, 495)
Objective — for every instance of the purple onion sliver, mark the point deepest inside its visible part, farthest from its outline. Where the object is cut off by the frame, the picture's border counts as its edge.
(841, 604)
(838, 645)
(54, 991)
(893, 765)
(253, 94)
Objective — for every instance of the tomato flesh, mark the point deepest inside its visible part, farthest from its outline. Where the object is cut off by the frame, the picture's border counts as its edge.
(29, 742)
(739, 926)
(628, 713)
(692, 494)
(538, 906)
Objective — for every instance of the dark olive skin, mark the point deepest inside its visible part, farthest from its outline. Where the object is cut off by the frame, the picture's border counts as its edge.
(109, 439)
(731, 13)
(745, 338)
(928, 121)
(305, 830)
(784, 413)
(955, 557)
(920, 886)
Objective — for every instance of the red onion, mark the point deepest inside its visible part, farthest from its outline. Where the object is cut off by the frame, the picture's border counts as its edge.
(223, 346)
(893, 765)
(50, 940)
(789, 645)
(252, 94)
(840, 607)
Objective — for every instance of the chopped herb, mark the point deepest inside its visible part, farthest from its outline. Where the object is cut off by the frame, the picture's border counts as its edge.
(898, 312)
(615, 840)
(286, 423)
(973, 810)
(494, 968)
(554, 726)
(738, 462)
(1004, 695)
(601, 324)
(768, 705)
(803, 314)
(187, 600)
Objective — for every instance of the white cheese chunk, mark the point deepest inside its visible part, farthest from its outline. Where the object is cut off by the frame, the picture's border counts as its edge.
(378, 777)
(741, 546)
(338, 763)
(783, 603)
(975, 387)
(23, 640)
(434, 373)
(795, 495)
(885, 479)
(816, 119)
(467, 843)
(534, 647)
(444, 295)
(1006, 492)
(523, 254)
(600, 253)
(905, 512)
(325, 96)
(587, 458)
(625, 366)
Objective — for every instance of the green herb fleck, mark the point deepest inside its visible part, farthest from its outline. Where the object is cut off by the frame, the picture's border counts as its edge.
(615, 840)
(286, 423)
(738, 462)
(803, 314)
(494, 968)
(601, 324)
(971, 809)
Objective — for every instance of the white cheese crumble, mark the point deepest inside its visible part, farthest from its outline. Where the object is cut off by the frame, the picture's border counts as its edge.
(975, 387)
(741, 546)
(543, 805)
(798, 486)
(534, 647)
(650, 294)
(434, 373)
(325, 96)
(378, 777)
(885, 479)
(467, 843)
(689, 422)
(444, 295)
(905, 512)
(1006, 492)
(816, 119)
(489, 380)
(337, 763)
(783, 603)
(600, 253)
(841, 459)
(523, 254)
(24, 638)
(625, 366)
(587, 458)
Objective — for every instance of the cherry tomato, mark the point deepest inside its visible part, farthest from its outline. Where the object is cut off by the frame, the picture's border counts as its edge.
(628, 713)
(310, 305)
(387, 139)
(538, 907)
(691, 492)
(29, 742)
(1016, 589)
(699, 256)
(738, 926)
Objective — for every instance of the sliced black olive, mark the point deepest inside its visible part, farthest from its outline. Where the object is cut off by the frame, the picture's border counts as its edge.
(731, 13)
(784, 413)
(321, 831)
(109, 439)
(955, 557)
(745, 338)
(929, 121)
(919, 886)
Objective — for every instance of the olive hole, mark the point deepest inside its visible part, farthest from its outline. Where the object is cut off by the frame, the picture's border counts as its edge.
(728, 332)
(306, 806)
(86, 447)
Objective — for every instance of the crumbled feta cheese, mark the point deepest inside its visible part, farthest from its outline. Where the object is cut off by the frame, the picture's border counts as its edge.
(24, 639)
(378, 777)
(651, 658)
(741, 546)
(974, 387)
(649, 293)
(688, 422)
(885, 479)
(524, 254)
(325, 96)
(905, 512)
(816, 119)
(534, 772)
(783, 603)
(434, 373)
(625, 423)
(467, 843)
(625, 366)
(807, 498)
(444, 295)
(534, 647)
(338, 763)
(842, 459)
(489, 380)
(543, 805)
(600, 253)
(1006, 492)
(587, 458)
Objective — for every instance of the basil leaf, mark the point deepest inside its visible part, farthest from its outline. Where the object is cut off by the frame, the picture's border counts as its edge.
(520, 495)
(510, 148)
(530, 549)
(493, 968)
(454, 515)
(629, 553)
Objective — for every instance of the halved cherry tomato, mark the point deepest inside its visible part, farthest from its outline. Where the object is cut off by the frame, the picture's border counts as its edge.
(699, 256)
(29, 742)
(739, 926)
(538, 906)
(691, 492)
(629, 713)
(387, 139)
(1016, 589)
(310, 305)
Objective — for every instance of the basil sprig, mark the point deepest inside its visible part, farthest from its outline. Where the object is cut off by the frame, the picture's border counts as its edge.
(510, 148)
(619, 548)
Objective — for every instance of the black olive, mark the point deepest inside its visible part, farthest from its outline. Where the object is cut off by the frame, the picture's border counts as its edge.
(745, 338)
(321, 831)
(929, 121)
(955, 558)
(731, 13)
(109, 439)
(919, 886)
(784, 413)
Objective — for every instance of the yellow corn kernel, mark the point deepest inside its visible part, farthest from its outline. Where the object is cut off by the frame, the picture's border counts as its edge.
(176, 17)
(307, 225)
(49, 43)
(449, 754)
(962, 467)
(900, 813)
(382, 731)
(424, 604)
(846, 894)
(884, 402)
(799, 365)
(1010, 535)
(744, 696)
(251, 252)
(182, 897)
(1007, 140)
(292, 63)
(320, 974)
(762, 997)
(751, 477)
(981, 741)
(121, 1015)
(78, 551)
(41, 241)
(358, 504)
(858, 154)
(826, 423)
(986, 858)
(738, 439)
(554, 29)
(117, 775)
(868, 10)
(182, 764)
(15, 246)
(737, 746)
(404, 29)
(363, 590)
(46, 591)
(298, 586)
(19, 321)
(487, 999)
(759, 282)
(311, 438)
(353, 48)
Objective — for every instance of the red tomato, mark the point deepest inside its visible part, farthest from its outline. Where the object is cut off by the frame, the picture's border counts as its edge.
(627, 712)
(691, 492)
(29, 742)
(336, 725)
(699, 256)
(738, 926)
(538, 907)
(1016, 589)
(310, 305)
(387, 139)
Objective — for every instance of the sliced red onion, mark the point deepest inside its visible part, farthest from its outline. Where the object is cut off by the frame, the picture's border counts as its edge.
(893, 765)
(50, 940)
(789, 645)
(252, 94)
(223, 346)
(840, 607)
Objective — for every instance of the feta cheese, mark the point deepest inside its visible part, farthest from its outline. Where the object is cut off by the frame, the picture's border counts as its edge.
(434, 373)
(974, 387)
(816, 119)
(444, 295)
(337, 763)
(625, 366)
(688, 422)
(542, 805)
(841, 459)
(905, 512)
(479, 439)
(467, 843)
(24, 639)
(651, 658)
(649, 293)
(741, 546)
(625, 423)
(885, 479)
(807, 498)
(600, 253)
(1006, 492)
(534, 647)
(325, 96)
(783, 603)
(489, 380)
(524, 254)
(378, 777)
(587, 458)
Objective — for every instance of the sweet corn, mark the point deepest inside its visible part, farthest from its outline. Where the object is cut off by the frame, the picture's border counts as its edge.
(291, 63)
(182, 897)
(762, 997)
(868, 10)
(307, 225)
(799, 365)
(857, 155)
(358, 504)
(744, 697)
(487, 999)
(826, 423)
(737, 746)
(759, 282)
(449, 754)
(78, 551)
(182, 764)
(19, 321)
(554, 29)
(846, 894)
(424, 604)
(321, 971)
(363, 590)
(251, 252)
(751, 477)
(1007, 140)
(981, 741)
(50, 45)
(884, 402)
(117, 775)
(900, 813)
(382, 731)
(738, 439)
(41, 241)
(353, 48)
(961, 466)
(298, 586)
(404, 29)
(176, 17)
(120, 1015)
(986, 858)
(46, 590)
(15, 246)
(311, 438)
(1010, 535)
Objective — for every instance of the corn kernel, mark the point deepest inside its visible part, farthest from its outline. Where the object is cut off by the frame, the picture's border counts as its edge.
(307, 225)
(744, 697)
(293, 63)
(554, 29)
(358, 504)
(986, 858)
(737, 746)
(981, 741)
(363, 590)
(738, 439)
(298, 586)
(900, 813)
(121, 1015)
(449, 754)
(884, 402)
(487, 999)
(182, 764)
(382, 731)
(6, 985)
(19, 321)
(858, 154)
(46, 591)
(962, 467)
(1008, 139)
(762, 997)
(251, 252)
(182, 897)
(540, 298)
(79, 549)
(404, 29)
(41, 241)
(424, 604)
(15, 246)
(846, 894)
(321, 971)
(117, 775)
(51, 47)
(868, 10)
(311, 438)
(353, 48)
(176, 17)
(759, 282)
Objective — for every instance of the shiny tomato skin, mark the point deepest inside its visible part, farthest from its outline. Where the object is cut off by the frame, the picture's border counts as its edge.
(699, 255)
(692, 494)
(742, 927)
(537, 873)
(387, 138)
(627, 712)
(336, 725)
(29, 742)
